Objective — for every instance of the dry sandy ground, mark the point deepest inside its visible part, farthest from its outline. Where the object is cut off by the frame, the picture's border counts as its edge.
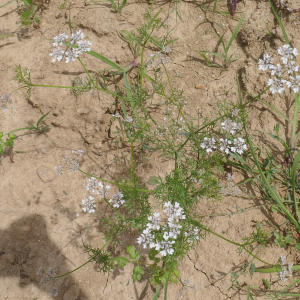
(42, 223)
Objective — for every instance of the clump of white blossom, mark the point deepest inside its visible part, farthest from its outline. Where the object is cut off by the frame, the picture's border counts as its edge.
(117, 200)
(186, 287)
(4, 100)
(286, 68)
(161, 57)
(89, 204)
(230, 186)
(96, 187)
(161, 233)
(50, 276)
(232, 142)
(286, 269)
(73, 53)
(173, 123)
(71, 162)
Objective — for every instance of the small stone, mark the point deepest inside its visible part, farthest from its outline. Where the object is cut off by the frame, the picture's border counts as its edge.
(45, 174)
(98, 145)
(72, 293)
(199, 86)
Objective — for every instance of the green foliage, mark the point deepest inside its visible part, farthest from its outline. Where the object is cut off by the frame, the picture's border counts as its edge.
(8, 143)
(281, 240)
(23, 77)
(37, 127)
(80, 86)
(28, 13)
(117, 5)
(227, 59)
(102, 258)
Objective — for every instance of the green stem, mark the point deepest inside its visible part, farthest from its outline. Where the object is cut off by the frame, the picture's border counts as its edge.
(229, 241)
(293, 283)
(84, 263)
(269, 188)
(276, 269)
(114, 183)
(295, 121)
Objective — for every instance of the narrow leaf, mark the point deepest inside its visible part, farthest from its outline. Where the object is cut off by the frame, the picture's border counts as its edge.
(235, 32)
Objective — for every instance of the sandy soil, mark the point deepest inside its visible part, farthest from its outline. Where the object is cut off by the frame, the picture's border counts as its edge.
(42, 222)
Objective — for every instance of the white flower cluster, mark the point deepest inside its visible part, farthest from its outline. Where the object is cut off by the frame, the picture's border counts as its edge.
(4, 100)
(233, 144)
(231, 126)
(161, 57)
(76, 39)
(186, 287)
(117, 199)
(276, 84)
(237, 145)
(49, 277)
(72, 163)
(169, 231)
(285, 270)
(172, 123)
(97, 187)
(89, 204)
(230, 185)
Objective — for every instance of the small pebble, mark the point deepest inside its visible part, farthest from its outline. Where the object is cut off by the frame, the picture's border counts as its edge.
(199, 86)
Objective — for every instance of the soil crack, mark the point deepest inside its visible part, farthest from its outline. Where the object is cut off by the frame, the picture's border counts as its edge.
(211, 283)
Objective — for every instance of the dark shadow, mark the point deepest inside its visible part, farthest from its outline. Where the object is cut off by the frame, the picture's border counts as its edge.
(25, 247)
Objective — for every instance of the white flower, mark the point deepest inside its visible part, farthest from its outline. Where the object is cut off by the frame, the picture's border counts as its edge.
(58, 170)
(287, 51)
(225, 145)
(229, 177)
(155, 221)
(158, 58)
(67, 159)
(276, 70)
(60, 39)
(294, 83)
(265, 63)
(283, 273)
(192, 234)
(290, 66)
(94, 185)
(40, 271)
(166, 50)
(276, 85)
(229, 126)
(117, 115)
(283, 260)
(83, 46)
(89, 205)
(74, 165)
(53, 292)
(239, 145)
(4, 100)
(117, 199)
(208, 144)
(57, 54)
(128, 119)
(236, 191)
(290, 266)
(235, 112)
(71, 55)
(78, 152)
(77, 36)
